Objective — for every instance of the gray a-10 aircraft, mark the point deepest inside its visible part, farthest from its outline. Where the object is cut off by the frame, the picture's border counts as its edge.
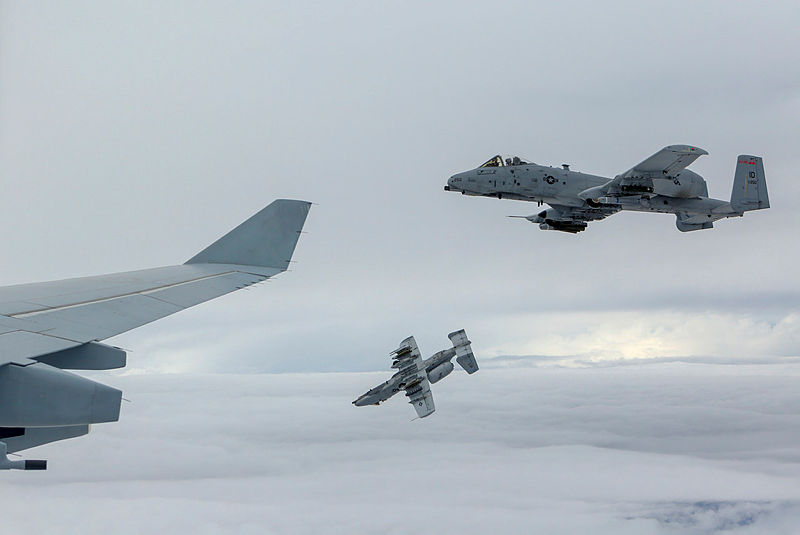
(415, 374)
(50, 327)
(661, 183)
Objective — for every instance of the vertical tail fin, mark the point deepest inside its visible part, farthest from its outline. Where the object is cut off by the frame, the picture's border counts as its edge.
(749, 185)
(465, 357)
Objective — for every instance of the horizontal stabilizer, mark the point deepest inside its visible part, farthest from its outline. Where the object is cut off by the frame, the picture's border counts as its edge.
(267, 239)
(688, 226)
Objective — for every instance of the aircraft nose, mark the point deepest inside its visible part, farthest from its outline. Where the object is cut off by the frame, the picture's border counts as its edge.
(451, 182)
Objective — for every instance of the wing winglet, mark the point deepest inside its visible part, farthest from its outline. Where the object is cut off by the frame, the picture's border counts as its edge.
(267, 239)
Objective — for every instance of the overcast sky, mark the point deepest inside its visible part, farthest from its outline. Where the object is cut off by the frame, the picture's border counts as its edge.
(635, 379)
(133, 134)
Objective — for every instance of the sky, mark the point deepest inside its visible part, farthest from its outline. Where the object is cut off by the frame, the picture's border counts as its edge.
(133, 134)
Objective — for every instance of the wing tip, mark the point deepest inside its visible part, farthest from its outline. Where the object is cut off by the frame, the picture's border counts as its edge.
(686, 149)
(267, 239)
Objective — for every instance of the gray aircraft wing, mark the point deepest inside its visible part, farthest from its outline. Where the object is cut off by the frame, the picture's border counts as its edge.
(380, 393)
(669, 161)
(421, 397)
(664, 164)
(55, 315)
(408, 361)
(52, 326)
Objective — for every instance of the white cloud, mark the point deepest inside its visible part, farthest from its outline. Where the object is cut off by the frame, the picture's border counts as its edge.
(658, 448)
(241, 342)
(648, 333)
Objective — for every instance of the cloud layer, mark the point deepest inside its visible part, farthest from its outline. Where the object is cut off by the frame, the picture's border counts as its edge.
(659, 448)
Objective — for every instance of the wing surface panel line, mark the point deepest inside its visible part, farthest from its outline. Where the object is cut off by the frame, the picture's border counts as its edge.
(32, 313)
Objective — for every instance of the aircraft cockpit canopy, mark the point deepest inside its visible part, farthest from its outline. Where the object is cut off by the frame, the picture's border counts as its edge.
(504, 161)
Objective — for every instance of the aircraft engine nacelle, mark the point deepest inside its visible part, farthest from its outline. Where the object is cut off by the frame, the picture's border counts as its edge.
(686, 185)
(440, 372)
(39, 395)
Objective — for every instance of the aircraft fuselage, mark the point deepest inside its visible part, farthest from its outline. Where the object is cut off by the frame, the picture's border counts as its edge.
(373, 397)
(687, 192)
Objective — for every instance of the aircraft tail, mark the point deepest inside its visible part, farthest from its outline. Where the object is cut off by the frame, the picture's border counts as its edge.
(267, 239)
(464, 355)
(749, 185)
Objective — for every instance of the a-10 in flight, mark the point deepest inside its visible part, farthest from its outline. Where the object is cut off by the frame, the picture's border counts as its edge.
(415, 374)
(661, 183)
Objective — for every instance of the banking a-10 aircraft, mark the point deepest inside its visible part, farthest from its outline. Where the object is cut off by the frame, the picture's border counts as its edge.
(415, 374)
(50, 327)
(661, 183)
